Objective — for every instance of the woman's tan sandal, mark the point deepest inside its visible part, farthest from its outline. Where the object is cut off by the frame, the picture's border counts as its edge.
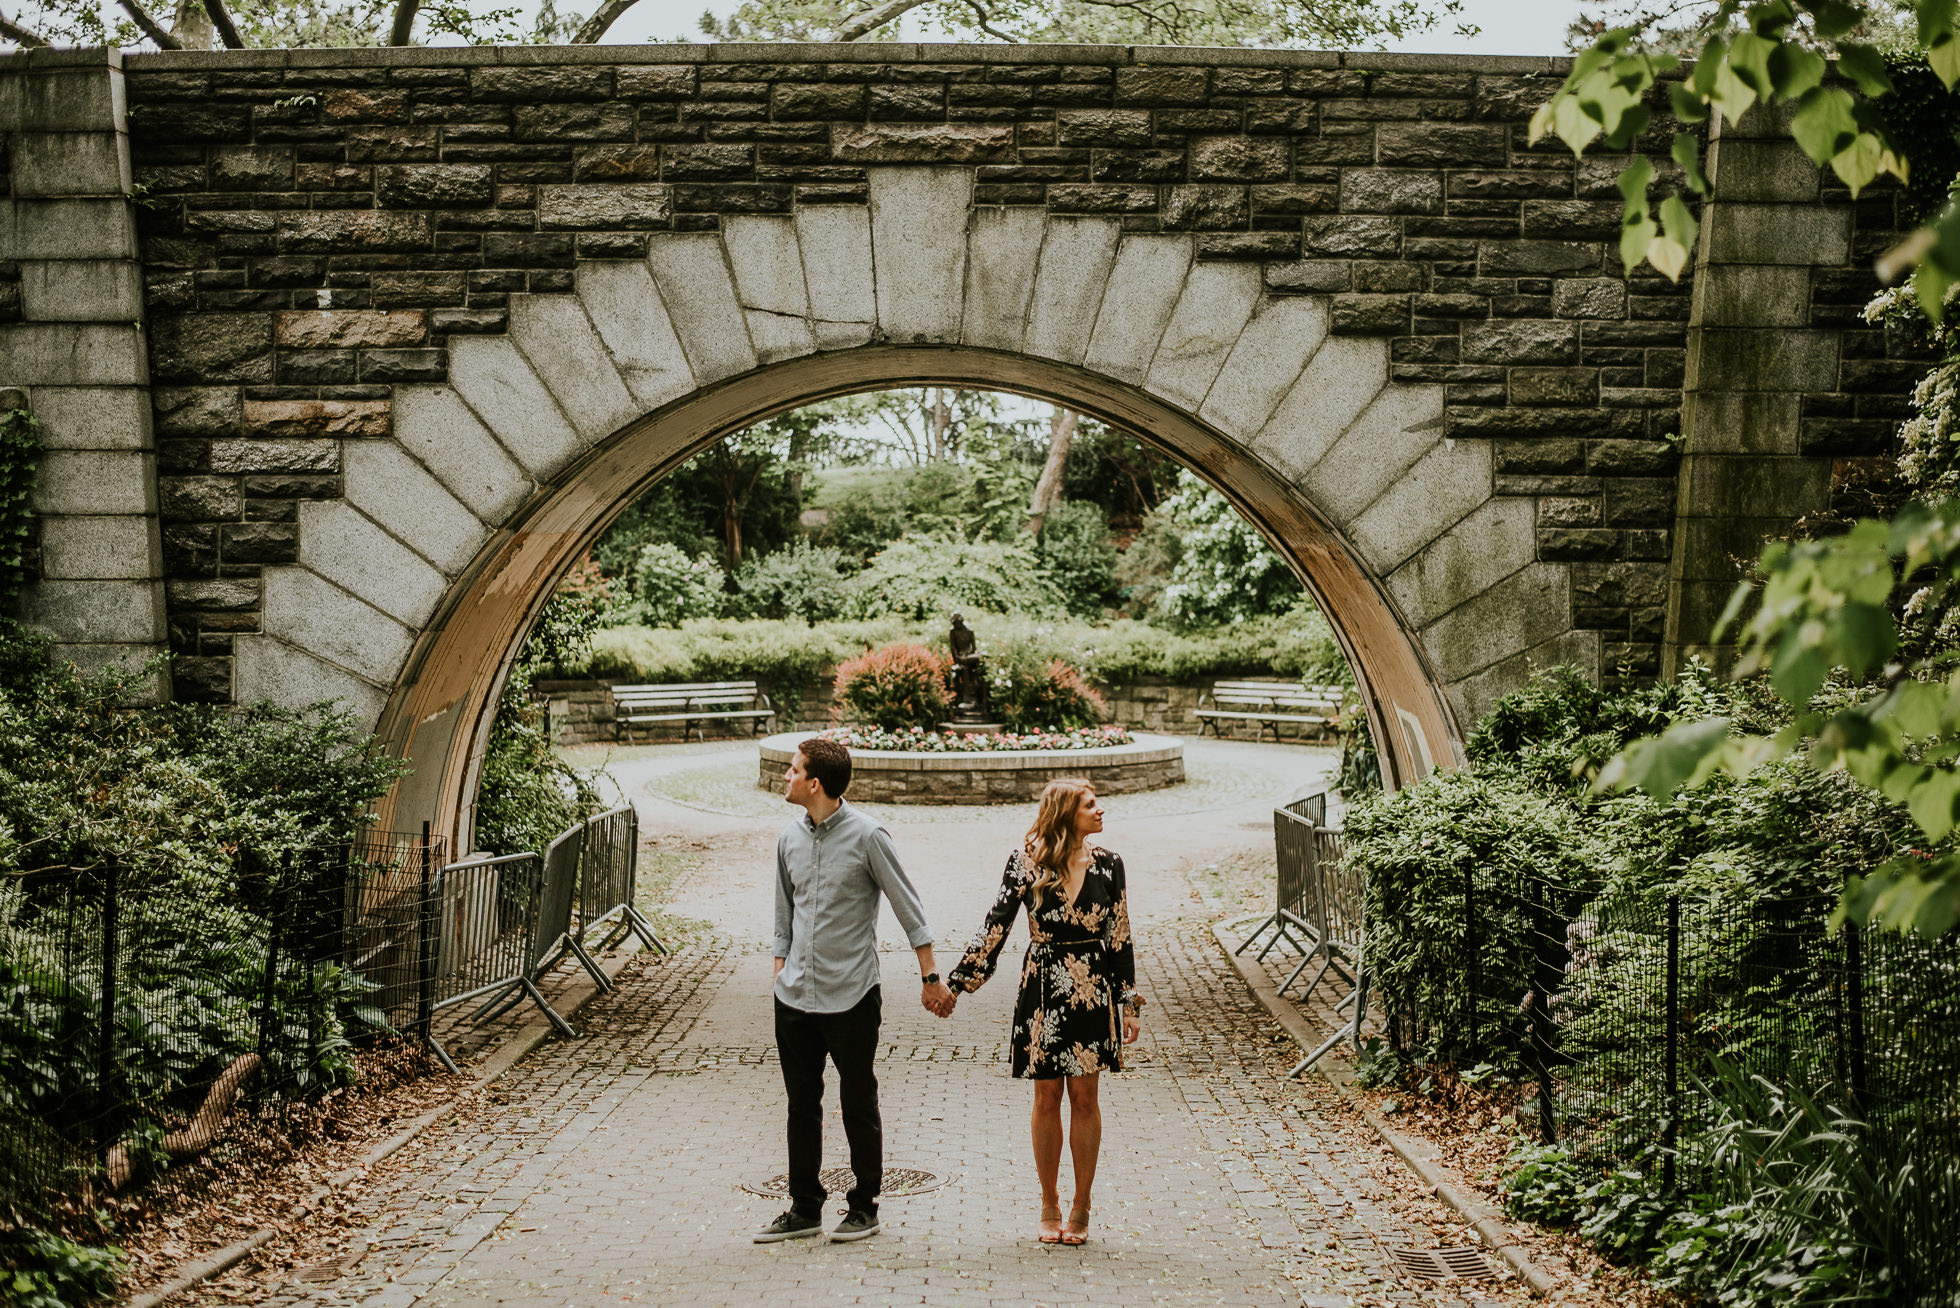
(1051, 1224)
(1077, 1230)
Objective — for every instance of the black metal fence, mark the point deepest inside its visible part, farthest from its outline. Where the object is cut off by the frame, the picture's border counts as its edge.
(1626, 1009)
(131, 1014)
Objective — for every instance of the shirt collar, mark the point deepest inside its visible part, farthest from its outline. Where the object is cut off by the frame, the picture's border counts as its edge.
(829, 823)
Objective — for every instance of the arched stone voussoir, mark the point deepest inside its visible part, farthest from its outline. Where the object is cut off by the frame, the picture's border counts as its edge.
(1144, 285)
(626, 310)
(1268, 357)
(1213, 307)
(433, 424)
(691, 269)
(345, 546)
(264, 668)
(918, 249)
(1003, 253)
(1492, 543)
(767, 263)
(310, 613)
(1471, 697)
(1073, 270)
(1518, 614)
(497, 382)
(834, 241)
(399, 494)
(564, 350)
(1439, 490)
(1337, 385)
(1400, 425)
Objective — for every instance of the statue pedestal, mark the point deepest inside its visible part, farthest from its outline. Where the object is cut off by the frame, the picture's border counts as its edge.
(973, 728)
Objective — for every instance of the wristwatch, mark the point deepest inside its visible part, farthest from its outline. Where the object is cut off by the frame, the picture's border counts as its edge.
(929, 979)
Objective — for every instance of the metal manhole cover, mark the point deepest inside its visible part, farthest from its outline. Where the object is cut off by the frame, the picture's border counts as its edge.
(1456, 1262)
(897, 1182)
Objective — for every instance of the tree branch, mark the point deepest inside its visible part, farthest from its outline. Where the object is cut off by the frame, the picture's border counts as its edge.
(980, 17)
(221, 19)
(602, 18)
(20, 35)
(404, 25)
(874, 18)
(151, 28)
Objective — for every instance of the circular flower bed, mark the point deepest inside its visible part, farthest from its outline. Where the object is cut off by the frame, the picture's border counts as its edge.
(914, 766)
(917, 740)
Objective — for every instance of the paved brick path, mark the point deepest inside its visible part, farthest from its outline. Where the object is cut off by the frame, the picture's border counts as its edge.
(610, 1166)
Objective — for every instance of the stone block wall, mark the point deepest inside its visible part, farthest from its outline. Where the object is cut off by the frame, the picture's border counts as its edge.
(317, 226)
(72, 343)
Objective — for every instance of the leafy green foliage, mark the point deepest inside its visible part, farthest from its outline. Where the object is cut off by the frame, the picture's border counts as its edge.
(1079, 558)
(669, 587)
(20, 455)
(1029, 690)
(895, 686)
(1438, 857)
(1768, 53)
(930, 579)
(799, 581)
(790, 655)
(1825, 605)
(43, 1270)
(1546, 1185)
(1223, 569)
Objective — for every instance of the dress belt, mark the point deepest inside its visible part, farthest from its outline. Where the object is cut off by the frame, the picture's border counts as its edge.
(1052, 943)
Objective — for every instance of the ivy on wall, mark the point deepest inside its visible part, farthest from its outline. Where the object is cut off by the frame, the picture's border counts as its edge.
(20, 456)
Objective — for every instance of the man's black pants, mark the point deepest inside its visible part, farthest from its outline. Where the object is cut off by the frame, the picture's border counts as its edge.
(850, 1038)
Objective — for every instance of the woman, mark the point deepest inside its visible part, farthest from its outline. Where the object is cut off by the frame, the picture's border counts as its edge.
(1078, 1005)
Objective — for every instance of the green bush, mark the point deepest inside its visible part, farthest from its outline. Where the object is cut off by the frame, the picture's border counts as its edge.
(1077, 554)
(895, 686)
(47, 1271)
(1030, 690)
(669, 587)
(918, 579)
(1547, 1185)
(1223, 569)
(800, 580)
(1423, 850)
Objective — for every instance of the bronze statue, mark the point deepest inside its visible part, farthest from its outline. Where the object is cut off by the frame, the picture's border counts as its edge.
(969, 673)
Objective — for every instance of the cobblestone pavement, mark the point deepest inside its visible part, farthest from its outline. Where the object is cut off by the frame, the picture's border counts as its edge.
(608, 1168)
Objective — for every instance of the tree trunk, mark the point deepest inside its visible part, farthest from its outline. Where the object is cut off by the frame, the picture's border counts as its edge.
(1048, 490)
(942, 419)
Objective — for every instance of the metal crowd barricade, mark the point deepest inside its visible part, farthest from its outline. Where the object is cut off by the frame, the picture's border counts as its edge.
(1325, 901)
(608, 866)
(485, 908)
(1297, 907)
(552, 933)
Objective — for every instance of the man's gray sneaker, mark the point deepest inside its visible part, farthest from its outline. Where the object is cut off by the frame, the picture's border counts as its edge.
(856, 1225)
(791, 1225)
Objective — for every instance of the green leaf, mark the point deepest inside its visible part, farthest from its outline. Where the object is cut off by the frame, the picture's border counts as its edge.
(1637, 228)
(1794, 70)
(1687, 155)
(1670, 252)
(1945, 59)
(1865, 66)
(1749, 58)
(1628, 126)
(1688, 106)
(1823, 125)
(1935, 21)
(1685, 753)
(1833, 18)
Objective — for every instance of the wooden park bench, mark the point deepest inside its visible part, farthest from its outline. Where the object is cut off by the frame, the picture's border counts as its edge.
(691, 704)
(1269, 703)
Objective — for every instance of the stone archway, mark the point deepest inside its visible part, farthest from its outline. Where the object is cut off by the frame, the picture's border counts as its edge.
(503, 476)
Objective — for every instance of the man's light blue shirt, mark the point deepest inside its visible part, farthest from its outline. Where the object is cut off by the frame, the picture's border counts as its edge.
(829, 875)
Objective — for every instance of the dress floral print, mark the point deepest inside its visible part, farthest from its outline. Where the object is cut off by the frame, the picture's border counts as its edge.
(1080, 970)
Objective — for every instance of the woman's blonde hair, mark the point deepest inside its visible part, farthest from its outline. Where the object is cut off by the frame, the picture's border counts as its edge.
(1052, 840)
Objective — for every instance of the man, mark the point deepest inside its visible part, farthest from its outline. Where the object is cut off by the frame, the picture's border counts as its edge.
(831, 866)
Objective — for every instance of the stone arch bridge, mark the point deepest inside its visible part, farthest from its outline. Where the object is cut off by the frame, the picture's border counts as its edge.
(343, 356)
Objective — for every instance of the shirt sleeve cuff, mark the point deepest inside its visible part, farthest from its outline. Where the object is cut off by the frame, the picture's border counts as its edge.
(780, 948)
(919, 935)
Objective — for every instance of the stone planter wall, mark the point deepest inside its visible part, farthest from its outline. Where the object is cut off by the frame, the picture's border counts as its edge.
(1003, 778)
(1155, 704)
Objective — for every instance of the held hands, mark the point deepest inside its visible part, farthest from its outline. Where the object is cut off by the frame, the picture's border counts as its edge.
(938, 1000)
(1132, 1027)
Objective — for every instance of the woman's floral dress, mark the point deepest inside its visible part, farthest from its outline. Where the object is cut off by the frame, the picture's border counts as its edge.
(1079, 975)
